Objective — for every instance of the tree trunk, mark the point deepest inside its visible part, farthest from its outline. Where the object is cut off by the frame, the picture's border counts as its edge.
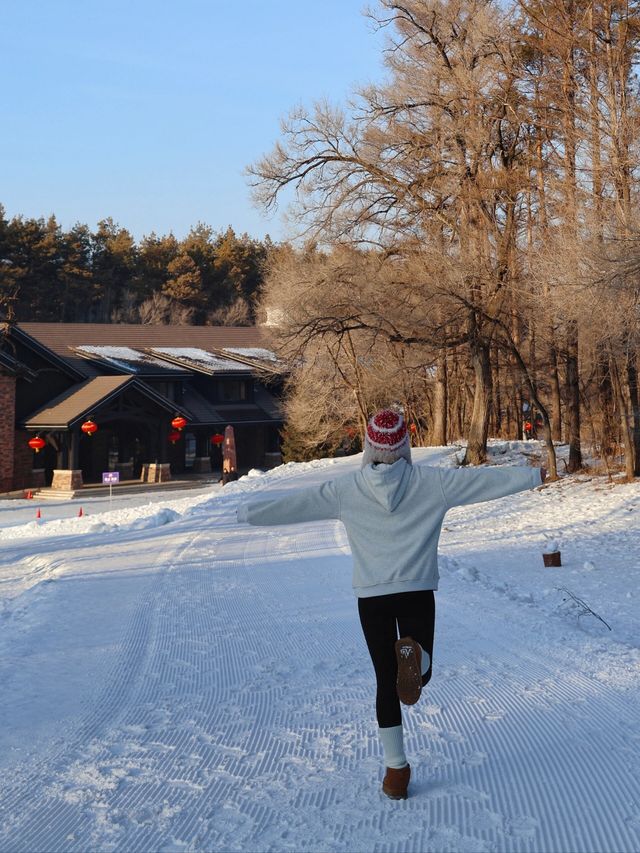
(496, 402)
(516, 384)
(573, 400)
(570, 146)
(627, 437)
(606, 405)
(632, 380)
(456, 397)
(440, 403)
(556, 394)
(479, 426)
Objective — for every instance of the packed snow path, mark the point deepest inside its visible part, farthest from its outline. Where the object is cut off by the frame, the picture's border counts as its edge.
(203, 685)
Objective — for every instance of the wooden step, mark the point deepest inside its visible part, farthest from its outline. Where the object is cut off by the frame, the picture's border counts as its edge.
(96, 490)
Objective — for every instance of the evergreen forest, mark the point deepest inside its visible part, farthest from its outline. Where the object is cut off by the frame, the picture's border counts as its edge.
(80, 275)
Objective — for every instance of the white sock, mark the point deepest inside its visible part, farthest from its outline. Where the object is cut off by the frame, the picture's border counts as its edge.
(426, 661)
(393, 747)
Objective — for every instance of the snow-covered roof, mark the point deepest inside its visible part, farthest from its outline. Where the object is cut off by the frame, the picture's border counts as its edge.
(258, 353)
(200, 359)
(126, 358)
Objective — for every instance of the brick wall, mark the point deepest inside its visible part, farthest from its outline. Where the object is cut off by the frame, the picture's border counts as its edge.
(7, 430)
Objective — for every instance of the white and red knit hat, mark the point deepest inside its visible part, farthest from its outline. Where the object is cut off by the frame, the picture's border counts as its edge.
(386, 439)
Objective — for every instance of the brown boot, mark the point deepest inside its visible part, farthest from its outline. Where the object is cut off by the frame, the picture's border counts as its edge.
(396, 782)
(409, 656)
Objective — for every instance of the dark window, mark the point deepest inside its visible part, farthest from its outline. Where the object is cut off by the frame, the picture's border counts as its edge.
(167, 389)
(233, 390)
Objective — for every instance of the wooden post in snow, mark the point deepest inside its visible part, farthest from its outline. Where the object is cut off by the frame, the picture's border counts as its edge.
(229, 464)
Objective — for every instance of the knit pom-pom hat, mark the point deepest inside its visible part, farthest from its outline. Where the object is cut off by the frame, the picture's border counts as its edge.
(386, 439)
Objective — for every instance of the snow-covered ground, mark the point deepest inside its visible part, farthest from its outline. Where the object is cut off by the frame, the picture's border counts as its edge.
(171, 680)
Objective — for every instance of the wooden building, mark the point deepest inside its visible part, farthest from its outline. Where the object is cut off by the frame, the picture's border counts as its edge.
(131, 381)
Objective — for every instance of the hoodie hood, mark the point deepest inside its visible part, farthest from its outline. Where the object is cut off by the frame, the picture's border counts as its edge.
(373, 456)
(388, 484)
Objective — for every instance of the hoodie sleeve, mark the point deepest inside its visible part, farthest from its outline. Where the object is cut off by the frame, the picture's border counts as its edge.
(471, 485)
(313, 504)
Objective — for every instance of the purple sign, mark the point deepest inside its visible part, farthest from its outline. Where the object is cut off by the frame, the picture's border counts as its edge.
(110, 477)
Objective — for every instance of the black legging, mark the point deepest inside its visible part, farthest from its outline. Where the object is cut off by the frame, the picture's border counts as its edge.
(413, 615)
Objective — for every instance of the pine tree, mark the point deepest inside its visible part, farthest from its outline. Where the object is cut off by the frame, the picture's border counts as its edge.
(184, 284)
(153, 259)
(114, 265)
(77, 285)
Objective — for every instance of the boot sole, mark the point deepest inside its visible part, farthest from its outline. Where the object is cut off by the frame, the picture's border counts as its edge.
(391, 796)
(395, 796)
(409, 684)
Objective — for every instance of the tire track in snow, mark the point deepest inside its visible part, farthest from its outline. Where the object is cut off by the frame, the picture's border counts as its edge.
(58, 818)
(159, 668)
(496, 809)
(538, 748)
(246, 746)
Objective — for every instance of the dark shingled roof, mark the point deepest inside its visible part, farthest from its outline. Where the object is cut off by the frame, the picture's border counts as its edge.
(68, 406)
(247, 414)
(202, 411)
(109, 350)
(268, 402)
(77, 403)
(265, 409)
(61, 338)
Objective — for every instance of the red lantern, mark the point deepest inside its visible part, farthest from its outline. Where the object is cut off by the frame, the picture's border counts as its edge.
(36, 443)
(88, 427)
(179, 422)
(174, 436)
(217, 439)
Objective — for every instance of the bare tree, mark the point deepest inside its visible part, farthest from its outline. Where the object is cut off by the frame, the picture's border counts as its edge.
(481, 190)
(431, 158)
(237, 313)
(159, 309)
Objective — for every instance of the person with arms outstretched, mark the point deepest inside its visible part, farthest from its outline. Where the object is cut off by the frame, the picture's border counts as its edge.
(393, 513)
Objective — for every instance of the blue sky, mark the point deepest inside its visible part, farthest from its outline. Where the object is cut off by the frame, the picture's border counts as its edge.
(149, 111)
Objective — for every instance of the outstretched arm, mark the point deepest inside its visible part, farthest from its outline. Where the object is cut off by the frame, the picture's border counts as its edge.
(471, 485)
(313, 504)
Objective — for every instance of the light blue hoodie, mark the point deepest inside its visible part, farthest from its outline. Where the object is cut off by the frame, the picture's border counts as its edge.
(392, 515)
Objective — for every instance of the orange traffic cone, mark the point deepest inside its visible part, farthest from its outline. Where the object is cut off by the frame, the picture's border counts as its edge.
(38, 513)
(29, 495)
(80, 513)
